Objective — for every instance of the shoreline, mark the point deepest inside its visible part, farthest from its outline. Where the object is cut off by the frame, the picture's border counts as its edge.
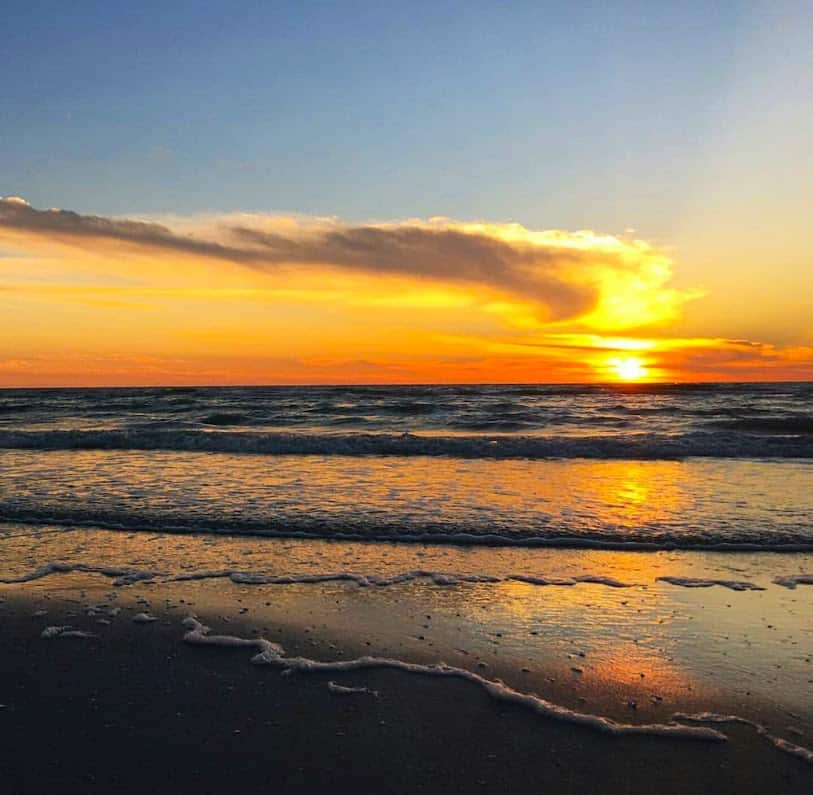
(134, 705)
(547, 652)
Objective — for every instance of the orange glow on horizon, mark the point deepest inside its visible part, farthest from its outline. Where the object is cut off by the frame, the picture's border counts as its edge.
(571, 307)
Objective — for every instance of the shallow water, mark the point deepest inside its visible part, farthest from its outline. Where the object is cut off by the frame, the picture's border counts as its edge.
(663, 503)
(665, 465)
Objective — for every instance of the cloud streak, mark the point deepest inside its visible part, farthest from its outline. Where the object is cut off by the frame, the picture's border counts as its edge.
(565, 275)
(16, 215)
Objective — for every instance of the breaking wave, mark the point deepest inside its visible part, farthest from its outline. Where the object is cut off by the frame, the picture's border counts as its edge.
(723, 444)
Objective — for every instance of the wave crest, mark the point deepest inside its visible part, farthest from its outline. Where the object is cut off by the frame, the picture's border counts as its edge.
(631, 446)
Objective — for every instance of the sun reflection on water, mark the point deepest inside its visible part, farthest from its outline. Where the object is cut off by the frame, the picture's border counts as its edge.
(620, 498)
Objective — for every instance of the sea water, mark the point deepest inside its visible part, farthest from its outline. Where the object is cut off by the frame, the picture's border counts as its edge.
(624, 552)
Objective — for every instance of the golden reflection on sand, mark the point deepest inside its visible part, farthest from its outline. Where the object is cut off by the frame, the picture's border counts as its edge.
(627, 664)
(664, 647)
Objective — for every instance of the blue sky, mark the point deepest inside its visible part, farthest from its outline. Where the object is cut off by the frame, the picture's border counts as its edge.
(546, 113)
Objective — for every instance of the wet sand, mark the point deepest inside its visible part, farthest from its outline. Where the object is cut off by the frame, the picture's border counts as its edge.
(136, 708)
(665, 647)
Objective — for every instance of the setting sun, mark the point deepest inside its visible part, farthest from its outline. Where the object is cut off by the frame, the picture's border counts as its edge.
(628, 368)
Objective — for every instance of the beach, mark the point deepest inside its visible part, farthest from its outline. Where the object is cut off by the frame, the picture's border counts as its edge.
(136, 705)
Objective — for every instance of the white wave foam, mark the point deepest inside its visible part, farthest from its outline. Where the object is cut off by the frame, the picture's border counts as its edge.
(129, 576)
(778, 742)
(65, 631)
(596, 579)
(792, 580)
(694, 582)
(273, 654)
(362, 580)
(198, 635)
(343, 690)
(122, 576)
(126, 576)
(102, 609)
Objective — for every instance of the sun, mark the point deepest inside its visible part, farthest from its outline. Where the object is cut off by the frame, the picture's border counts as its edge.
(628, 368)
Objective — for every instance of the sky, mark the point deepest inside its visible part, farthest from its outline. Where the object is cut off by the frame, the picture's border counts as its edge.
(379, 192)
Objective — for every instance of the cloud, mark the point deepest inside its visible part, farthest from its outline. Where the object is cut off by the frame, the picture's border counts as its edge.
(445, 254)
(16, 215)
(562, 275)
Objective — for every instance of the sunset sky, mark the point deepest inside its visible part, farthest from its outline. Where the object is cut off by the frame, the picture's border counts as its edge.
(415, 192)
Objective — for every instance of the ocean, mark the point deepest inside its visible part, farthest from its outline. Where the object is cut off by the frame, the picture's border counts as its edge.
(660, 466)
(633, 559)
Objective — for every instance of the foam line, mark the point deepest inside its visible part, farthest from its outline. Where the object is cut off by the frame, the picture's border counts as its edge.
(273, 654)
(787, 747)
(792, 580)
(596, 579)
(64, 632)
(362, 580)
(121, 576)
(127, 576)
(198, 635)
(343, 690)
(694, 582)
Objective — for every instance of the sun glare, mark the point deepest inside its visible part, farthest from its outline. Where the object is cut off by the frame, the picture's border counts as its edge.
(628, 368)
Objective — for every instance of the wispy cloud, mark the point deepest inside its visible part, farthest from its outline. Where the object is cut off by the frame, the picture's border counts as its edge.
(563, 275)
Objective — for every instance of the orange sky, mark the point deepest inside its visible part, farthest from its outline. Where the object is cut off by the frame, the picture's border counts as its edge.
(258, 299)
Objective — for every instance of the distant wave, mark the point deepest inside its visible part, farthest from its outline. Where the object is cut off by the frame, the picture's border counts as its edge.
(723, 444)
(799, 424)
(224, 418)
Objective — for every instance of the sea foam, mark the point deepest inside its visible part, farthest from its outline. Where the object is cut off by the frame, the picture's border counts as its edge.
(123, 576)
(273, 654)
(781, 744)
(694, 582)
(792, 580)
